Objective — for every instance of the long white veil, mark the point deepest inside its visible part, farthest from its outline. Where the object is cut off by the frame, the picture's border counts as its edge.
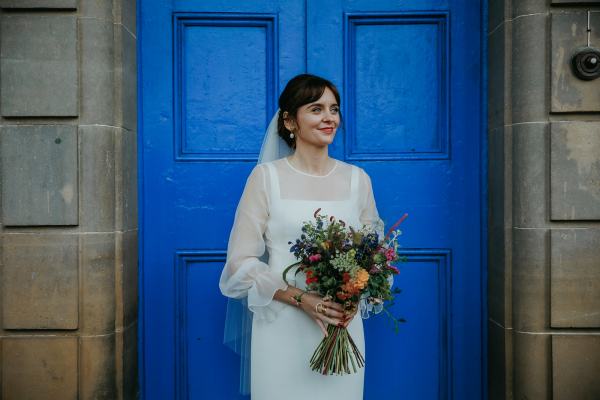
(238, 320)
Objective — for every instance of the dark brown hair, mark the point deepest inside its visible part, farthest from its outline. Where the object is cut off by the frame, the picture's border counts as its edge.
(300, 90)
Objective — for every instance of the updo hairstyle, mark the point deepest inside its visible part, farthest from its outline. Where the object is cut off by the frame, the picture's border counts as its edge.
(300, 90)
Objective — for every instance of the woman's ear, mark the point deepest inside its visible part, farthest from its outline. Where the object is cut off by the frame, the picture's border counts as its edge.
(287, 122)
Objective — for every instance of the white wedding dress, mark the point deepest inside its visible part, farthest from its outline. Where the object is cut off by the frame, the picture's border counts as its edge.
(276, 200)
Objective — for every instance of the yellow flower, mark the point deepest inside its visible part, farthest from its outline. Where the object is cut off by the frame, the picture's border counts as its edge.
(361, 279)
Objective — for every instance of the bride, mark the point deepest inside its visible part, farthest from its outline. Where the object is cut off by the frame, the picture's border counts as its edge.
(294, 177)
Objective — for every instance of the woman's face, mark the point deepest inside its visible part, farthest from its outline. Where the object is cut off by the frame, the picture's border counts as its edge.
(317, 122)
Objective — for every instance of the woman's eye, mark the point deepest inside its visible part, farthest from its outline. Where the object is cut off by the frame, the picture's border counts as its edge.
(335, 110)
(317, 109)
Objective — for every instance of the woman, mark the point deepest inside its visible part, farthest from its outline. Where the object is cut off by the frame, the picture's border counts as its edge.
(279, 196)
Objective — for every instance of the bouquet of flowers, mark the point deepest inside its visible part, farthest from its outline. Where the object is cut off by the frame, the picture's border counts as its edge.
(349, 266)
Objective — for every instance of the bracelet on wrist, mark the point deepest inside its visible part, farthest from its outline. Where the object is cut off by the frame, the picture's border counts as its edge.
(298, 298)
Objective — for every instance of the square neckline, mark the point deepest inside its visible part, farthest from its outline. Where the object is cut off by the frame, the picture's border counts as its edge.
(276, 190)
(312, 175)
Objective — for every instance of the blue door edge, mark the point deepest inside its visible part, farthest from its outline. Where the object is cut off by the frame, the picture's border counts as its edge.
(483, 151)
(483, 75)
(140, 187)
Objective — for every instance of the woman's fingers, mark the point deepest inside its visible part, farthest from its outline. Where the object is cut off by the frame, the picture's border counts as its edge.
(322, 326)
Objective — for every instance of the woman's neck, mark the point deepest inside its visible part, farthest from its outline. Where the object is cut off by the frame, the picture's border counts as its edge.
(315, 161)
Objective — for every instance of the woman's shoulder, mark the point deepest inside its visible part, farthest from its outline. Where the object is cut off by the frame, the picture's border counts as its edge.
(349, 166)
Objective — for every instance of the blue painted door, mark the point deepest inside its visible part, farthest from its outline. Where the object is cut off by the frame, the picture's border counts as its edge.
(410, 77)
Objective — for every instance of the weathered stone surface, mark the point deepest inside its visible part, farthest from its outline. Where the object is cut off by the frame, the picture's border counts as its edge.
(125, 14)
(98, 283)
(40, 282)
(529, 69)
(532, 363)
(98, 9)
(126, 75)
(498, 77)
(39, 175)
(39, 368)
(126, 174)
(575, 272)
(569, 32)
(498, 12)
(129, 361)
(499, 361)
(39, 66)
(575, 366)
(575, 1)
(97, 166)
(65, 4)
(127, 276)
(575, 170)
(528, 7)
(530, 279)
(529, 174)
(97, 72)
(97, 368)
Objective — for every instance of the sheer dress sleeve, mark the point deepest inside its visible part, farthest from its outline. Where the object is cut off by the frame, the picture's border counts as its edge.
(369, 214)
(245, 274)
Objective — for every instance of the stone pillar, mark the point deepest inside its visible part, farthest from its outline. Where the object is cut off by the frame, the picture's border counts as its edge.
(544, 180)
(68, 199)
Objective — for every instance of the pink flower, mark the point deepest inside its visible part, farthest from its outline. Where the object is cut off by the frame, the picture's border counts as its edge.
(314, 258)
(390, 254)
(394, 269)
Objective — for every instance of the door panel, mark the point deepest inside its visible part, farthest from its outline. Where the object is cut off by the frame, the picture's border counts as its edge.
(409, 78)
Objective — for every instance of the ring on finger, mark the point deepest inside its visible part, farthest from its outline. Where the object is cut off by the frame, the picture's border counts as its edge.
(319, 308)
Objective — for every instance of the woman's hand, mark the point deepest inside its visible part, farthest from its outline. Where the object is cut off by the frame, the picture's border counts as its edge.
(332, 312)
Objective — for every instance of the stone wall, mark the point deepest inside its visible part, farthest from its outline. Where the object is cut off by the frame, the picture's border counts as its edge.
(544, 193)
(68, 199)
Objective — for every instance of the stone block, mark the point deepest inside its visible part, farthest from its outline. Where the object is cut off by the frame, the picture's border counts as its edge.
(62, 4)
(97, 169)
(575, 278)
(499, 361)
(498, 76)
(529, 174)
(38, 64)
(97, 72)
(98, 283)
(498, 12)
(39, 368)
(127, 276)
(499, 274)
(530, 278)
(97, 371)
(127, 340)
(532, 366)
(529, 69)
(575, 2)
(569, 32)
(575, 367)
(39, 175)
(126, 15)
(40, 282)
(575, 170)
(126, 76)
(528, 7)
(126, 174)
(101, 10)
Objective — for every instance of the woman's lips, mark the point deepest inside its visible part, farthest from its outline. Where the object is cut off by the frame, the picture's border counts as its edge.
(326, 130)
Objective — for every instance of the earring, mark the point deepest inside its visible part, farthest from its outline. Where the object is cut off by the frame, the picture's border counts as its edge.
(291, 135)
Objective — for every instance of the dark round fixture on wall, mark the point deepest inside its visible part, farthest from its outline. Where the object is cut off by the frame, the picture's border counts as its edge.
(586, 63)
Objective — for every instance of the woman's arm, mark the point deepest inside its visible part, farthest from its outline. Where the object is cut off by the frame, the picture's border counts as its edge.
(244, 273)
